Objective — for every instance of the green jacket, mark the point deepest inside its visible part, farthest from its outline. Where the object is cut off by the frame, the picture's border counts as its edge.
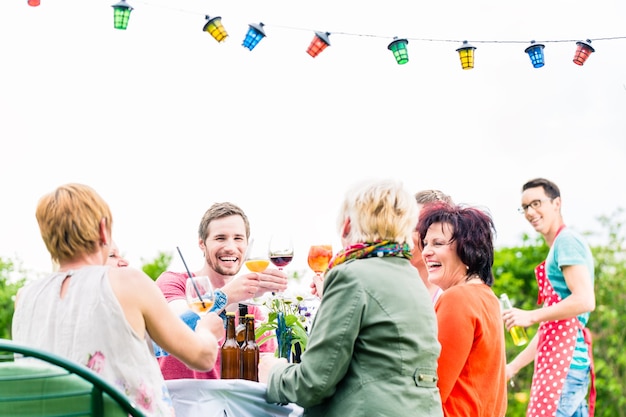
(373, 346)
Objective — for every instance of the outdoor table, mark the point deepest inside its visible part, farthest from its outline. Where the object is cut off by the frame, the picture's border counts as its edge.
(225, 398)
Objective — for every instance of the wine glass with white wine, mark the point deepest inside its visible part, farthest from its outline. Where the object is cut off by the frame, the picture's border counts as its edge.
(199, 294)
(255, 260)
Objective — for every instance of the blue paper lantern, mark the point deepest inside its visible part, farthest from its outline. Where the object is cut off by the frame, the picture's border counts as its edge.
(535, 52)
(254, 35)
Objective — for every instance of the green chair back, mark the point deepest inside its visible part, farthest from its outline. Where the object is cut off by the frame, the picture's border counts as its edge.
(43, 384)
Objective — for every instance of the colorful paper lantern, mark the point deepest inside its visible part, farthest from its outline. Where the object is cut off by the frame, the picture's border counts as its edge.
(215, 28)
(34, 3)
(318, 44)
(398, 47)
(466, 53)
(583, 50)
(535, 52)
(121, 14)
(254, 35)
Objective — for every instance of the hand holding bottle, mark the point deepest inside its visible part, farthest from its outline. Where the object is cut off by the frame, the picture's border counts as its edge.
(518, 333)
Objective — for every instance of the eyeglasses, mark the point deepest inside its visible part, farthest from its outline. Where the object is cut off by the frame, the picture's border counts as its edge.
(535, 204)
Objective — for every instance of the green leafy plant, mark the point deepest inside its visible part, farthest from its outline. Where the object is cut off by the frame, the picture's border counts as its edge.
(286, 321)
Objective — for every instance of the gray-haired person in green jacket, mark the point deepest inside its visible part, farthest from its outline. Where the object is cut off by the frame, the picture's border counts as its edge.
(373, 347)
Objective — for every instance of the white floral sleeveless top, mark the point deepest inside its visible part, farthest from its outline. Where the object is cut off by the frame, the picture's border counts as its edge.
(88, 326)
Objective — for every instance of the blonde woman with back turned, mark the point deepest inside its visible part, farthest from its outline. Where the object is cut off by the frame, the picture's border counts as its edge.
(100, 316)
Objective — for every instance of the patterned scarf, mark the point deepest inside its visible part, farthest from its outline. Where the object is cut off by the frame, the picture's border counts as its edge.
(380, 248)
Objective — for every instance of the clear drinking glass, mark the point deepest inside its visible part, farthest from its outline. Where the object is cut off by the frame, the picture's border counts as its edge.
(319, 257)
(256, 260)
(199, 294)
(280, 250)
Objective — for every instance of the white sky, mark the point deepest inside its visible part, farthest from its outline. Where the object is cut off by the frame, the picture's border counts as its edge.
(163, 121)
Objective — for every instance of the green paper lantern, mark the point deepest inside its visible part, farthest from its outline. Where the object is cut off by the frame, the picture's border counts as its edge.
(121, 14)
(398, 47)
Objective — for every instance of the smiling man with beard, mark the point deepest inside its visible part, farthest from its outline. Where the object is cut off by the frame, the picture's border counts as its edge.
(223, 239)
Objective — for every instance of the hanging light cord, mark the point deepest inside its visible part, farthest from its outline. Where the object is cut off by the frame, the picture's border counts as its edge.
(366, 35)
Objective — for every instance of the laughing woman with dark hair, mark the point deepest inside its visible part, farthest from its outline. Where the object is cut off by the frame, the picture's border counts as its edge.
(457, 248)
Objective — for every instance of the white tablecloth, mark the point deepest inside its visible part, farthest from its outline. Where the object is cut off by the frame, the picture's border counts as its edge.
(225, 398)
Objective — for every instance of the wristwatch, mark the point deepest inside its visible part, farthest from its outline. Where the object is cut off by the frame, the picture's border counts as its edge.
(221, 301)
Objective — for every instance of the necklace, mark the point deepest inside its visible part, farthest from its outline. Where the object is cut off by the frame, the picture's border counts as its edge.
(472, 279)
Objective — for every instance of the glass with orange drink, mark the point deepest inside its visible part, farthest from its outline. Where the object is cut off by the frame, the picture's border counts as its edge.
(319, 257)
(199, 294)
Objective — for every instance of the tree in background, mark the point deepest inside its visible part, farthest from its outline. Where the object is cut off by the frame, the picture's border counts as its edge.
(514, 275)
(607, 321)
(159, 265)
(12, 277)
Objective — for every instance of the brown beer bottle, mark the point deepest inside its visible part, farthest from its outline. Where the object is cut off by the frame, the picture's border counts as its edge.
(250, 352)
(240, 330)
(230, 363)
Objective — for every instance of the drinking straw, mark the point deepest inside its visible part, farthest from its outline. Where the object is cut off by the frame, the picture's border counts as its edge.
(193, 281)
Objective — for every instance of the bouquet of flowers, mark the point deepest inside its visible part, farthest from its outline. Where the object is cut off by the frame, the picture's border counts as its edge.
(288, 320)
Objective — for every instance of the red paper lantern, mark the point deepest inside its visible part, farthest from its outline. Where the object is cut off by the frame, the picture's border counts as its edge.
(583, 50)
(318, 44)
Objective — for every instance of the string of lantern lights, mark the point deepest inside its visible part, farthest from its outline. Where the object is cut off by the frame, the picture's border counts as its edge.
(398, 46)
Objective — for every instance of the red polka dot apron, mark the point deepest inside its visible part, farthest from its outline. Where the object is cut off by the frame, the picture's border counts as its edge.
(555, 349)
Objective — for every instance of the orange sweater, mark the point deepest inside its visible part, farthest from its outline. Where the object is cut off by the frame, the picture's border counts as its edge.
(472, 379)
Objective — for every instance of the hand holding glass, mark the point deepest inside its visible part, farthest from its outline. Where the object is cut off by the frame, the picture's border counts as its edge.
(199, 294)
